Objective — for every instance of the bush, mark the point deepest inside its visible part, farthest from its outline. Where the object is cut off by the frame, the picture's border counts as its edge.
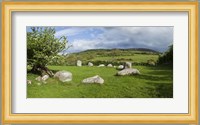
(167, 57)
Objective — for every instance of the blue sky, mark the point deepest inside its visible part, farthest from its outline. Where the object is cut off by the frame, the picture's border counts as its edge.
(84, 38)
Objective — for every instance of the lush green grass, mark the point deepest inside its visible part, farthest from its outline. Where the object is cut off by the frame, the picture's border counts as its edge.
(133, 58)
(154, 82)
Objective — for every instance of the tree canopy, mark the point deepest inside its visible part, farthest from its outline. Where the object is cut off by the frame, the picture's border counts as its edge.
(42, 46)
(167, 57)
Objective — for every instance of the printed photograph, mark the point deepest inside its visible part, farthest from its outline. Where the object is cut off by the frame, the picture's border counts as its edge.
(99, 61)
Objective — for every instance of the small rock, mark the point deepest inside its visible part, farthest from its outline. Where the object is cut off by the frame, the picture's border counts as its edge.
(101, 65)
(79, 63)
(42, 79)
(45, 77)
(151, 62)
(29, 82)
(109, 65)
(90, 64)
(39, 84)
(63, 76)
(39, 78)
(94, 79)
(120, 67)
(128, 71)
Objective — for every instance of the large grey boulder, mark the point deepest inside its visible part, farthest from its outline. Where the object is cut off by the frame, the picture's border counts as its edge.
(63, 76)
(128, 71)
(127, 65)
(90, 64)
(120, 67)
(94, 79)
(79, 63)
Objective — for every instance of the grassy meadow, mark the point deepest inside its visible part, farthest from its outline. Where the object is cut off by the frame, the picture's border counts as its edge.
(107, 56)
(154, 82)
(140, 58)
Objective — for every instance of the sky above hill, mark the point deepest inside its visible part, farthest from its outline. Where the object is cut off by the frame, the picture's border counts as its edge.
(84, 38)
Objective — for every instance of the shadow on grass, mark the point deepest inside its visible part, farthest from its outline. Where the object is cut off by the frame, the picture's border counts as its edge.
(158, 68)
(163, 90)
(161, 72)
(159, 82)
(158, 73)
(155, 78)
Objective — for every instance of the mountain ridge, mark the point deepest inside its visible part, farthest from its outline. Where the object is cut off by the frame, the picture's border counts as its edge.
(121, 49)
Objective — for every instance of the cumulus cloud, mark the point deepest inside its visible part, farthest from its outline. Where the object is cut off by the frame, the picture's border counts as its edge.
(157, 38)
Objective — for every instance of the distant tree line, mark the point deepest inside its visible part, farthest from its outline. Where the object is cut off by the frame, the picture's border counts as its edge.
(167, 57)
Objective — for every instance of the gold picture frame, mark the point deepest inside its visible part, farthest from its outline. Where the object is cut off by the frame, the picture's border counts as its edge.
(9, 7)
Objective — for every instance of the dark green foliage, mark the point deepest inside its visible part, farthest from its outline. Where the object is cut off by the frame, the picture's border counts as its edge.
(58, 60)
(167, 57)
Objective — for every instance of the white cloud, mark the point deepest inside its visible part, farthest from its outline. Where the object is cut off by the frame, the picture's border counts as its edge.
(157, 38)
(72, 31)
(67, 32)
(81, 45)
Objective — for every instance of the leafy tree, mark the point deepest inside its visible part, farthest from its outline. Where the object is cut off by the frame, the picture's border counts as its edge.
(42, 47)
(59, 60)
(167, 57)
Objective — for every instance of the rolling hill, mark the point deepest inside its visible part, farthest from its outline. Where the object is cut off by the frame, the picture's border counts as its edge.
(114, 56)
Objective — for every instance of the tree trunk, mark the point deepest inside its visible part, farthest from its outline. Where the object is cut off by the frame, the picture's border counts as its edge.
(41, 70)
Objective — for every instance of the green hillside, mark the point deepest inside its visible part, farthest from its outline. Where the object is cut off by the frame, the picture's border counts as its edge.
(114, 56)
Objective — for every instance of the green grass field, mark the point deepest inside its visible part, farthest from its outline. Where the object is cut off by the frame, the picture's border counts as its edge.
(106, 56)
(133, 58)
(154, 82)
